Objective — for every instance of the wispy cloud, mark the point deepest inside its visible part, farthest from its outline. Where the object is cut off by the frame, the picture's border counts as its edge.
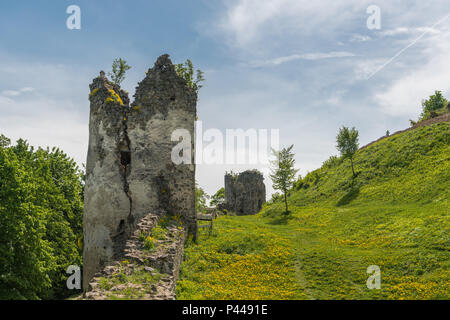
(403, 95)
(49, 109)
(408, 31)
(360, 38)
(247, 23)
(305, 56)
(15, 93)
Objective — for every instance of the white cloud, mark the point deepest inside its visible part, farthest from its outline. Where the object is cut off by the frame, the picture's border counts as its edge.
(363, 68)
(247, 22)
(256, 26)
(305, 56)
(15, 93)
(10, 93)
(408, 31)
(5, 101)
(49, 108)
(26, 89)
(403, 96)
(360, 38)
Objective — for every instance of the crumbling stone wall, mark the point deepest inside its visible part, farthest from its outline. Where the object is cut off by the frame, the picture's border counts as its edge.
(142, 274)
(129, 170)
(245, 193)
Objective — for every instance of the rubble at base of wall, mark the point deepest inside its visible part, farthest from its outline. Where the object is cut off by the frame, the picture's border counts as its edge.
(141, 273)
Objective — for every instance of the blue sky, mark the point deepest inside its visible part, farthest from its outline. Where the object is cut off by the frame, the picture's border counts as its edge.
(299, 66)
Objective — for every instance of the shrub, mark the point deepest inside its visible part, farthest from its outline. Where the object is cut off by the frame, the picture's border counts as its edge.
(433, 104)
(149, 243)
(159, 233)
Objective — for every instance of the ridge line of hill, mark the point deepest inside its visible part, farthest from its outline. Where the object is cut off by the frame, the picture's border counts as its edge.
(442, 118)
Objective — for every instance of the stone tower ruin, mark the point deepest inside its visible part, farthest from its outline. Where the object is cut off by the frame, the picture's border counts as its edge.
(245, 193)
(129, 171)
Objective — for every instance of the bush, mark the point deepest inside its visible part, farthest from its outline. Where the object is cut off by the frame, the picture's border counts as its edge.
(432, 105)
(149, 243)
(159, 233)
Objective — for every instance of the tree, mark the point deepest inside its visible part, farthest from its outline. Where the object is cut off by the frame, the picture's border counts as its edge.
(218, 197)
(186, 71)
(283, 172)
(347, 144)
(200, 198)
(4, 141)
(41, 211)
(433, 104)
(119, 68)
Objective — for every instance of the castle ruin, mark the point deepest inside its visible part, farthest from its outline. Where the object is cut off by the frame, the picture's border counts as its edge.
(129, 170)
(245, 193)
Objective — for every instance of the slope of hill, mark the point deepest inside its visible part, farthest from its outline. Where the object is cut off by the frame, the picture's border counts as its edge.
(395, 215)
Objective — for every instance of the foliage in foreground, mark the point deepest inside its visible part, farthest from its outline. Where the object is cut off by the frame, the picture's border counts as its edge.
(41, 221)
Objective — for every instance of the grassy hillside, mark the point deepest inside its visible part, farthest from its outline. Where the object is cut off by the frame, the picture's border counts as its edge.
(394, 215)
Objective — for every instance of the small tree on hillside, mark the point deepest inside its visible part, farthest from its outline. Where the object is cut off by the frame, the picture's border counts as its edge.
(282, 171)
(347, 144)
(119, 68)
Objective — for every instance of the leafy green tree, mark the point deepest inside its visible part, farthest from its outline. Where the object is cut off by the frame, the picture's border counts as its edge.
(432, 104)
(41, 210)
(119, 68)
(348, 144)
(186, 71)
(4, 141)
(201, 197)
(218, 197)
(283, 171)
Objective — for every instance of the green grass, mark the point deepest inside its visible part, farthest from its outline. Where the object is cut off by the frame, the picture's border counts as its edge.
(243, 258)
(394, 215)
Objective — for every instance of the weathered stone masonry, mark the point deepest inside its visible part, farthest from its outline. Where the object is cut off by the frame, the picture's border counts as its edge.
(245, 193)
(129, 171)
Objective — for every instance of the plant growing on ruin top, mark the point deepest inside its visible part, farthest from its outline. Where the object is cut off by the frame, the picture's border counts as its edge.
(119, 68)
(283, 172)
(186, 71)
